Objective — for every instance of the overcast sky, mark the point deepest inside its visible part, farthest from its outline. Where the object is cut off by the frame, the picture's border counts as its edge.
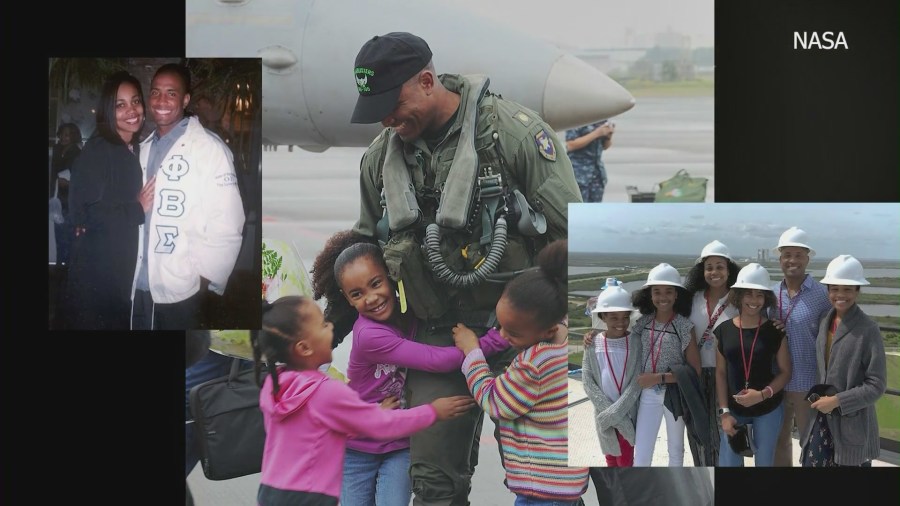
(863, 230)
(591, 23)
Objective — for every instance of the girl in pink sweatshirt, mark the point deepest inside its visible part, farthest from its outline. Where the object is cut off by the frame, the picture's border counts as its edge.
(376, 472)
(308, 416)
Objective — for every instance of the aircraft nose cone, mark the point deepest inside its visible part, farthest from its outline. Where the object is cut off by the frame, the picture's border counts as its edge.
(577, 94)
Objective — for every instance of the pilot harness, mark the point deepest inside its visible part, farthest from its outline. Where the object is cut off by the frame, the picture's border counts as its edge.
(465, 197)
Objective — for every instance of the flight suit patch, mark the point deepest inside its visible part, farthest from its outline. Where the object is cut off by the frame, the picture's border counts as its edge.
(545, 145)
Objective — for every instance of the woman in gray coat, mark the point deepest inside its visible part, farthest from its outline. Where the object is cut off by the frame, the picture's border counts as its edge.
(851, 361)
(610, 371)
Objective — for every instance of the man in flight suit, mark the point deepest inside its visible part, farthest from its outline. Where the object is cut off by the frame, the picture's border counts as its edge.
(453, 162)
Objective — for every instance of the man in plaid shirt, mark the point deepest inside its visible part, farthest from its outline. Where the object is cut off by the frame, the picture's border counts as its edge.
(802, 303)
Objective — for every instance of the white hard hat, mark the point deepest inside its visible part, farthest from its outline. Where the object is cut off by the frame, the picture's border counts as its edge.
(753, 277)
(715, 248)
(793, 237)
(614, 298)
(663, 274)
(844, 270)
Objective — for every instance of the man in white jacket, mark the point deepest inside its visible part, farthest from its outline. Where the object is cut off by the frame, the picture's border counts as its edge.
(192, 234)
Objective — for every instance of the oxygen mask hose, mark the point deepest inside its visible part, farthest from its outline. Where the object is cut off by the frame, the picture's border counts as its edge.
(468, 279)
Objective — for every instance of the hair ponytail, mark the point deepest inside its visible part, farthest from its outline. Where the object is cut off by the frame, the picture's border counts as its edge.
(542, 292)
(282, 323)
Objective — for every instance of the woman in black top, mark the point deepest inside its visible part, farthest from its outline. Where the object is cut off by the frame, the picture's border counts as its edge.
(752, 367)
(108, 200)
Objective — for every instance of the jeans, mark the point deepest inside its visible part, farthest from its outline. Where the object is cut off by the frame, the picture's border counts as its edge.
(651, 411)
(524, 500)
(372, 479)
(765, 435)
(212, 366)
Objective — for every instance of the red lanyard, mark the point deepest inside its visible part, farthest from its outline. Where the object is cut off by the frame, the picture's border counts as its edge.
(746, 363)
(781, 315)
(612, 371)
(712, 317)
(830, 342)
(653, 359)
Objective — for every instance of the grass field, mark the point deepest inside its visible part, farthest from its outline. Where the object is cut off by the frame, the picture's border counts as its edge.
(888, 407)
(576, 358)
(877, 298)
(702, 86)
(884, 282)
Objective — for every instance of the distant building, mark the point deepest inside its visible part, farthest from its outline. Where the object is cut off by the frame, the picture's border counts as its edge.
(671, 38)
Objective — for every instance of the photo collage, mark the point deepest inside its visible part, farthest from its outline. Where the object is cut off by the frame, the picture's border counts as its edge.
(570, 254)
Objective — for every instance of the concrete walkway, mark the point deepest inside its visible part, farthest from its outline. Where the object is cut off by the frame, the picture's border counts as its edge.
(584, 447)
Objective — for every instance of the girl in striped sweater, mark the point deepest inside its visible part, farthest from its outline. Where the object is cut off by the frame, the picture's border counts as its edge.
(530, 400)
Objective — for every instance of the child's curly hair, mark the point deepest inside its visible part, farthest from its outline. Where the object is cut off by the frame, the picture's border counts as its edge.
(337, 310)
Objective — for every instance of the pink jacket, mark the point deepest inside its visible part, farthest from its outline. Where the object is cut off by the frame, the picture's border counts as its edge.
(308, 425)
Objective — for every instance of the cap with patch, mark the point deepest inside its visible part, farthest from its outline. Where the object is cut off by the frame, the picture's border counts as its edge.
(383, 64)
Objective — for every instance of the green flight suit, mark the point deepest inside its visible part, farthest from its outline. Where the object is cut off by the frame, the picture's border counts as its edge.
(533, 160)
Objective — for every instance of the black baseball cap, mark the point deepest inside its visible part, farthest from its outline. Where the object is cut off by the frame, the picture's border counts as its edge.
(383, 64)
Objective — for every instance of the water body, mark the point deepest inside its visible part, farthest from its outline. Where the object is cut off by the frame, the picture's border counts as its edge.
(869, 273)
(869, 309)
(820, 273)
(576, 271)
(629, 286)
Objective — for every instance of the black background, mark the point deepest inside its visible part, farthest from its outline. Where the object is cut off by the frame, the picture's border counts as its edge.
(806, 125)
(100, 414)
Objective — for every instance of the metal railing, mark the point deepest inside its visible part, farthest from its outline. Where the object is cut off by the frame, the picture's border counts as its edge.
(887, 445)
(890, 445)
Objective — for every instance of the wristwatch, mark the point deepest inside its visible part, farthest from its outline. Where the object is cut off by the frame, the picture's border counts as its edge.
(722, 411)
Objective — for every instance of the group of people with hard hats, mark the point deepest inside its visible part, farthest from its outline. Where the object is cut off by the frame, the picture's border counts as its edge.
(742, 360)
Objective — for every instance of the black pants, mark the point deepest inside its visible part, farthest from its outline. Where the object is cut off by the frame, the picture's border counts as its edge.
(188, 314)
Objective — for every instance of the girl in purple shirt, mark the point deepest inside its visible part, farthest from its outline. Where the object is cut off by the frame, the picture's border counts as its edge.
(377, 472)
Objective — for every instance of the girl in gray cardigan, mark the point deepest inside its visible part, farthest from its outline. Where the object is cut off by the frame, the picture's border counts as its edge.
(850, 357)
(610, 371)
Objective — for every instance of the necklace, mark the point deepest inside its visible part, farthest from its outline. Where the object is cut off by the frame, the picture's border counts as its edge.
(744, 362)
(653, 341)
(712, 317)
(612, 371)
